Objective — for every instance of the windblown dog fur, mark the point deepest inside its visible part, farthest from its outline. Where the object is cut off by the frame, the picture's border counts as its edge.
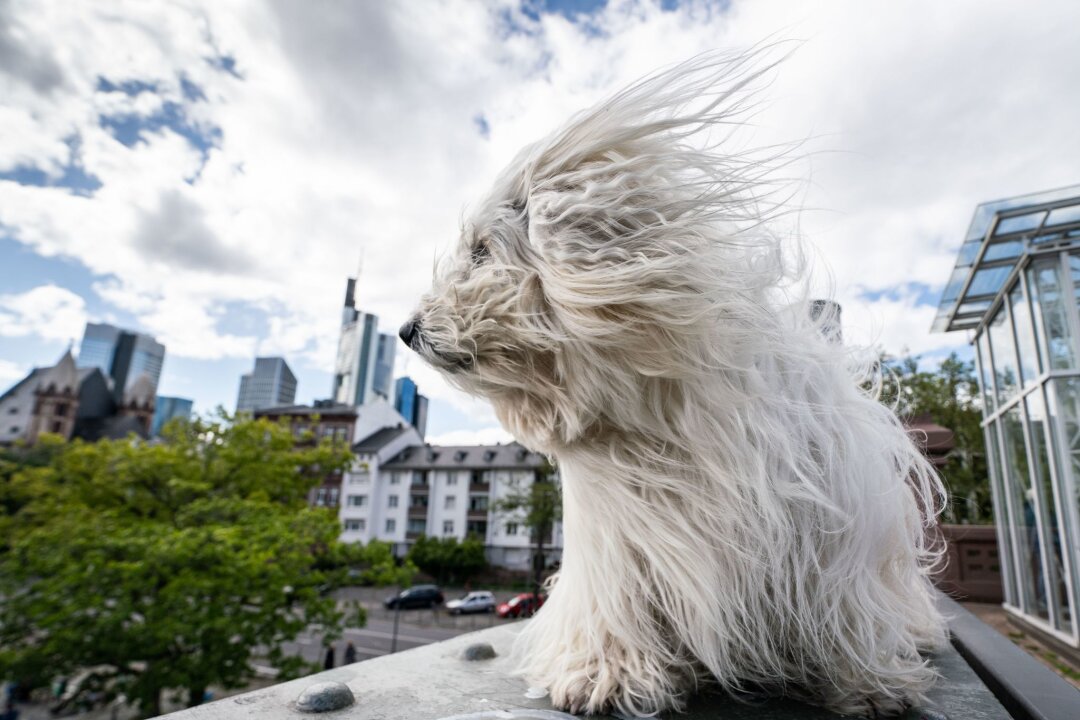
(737, 508)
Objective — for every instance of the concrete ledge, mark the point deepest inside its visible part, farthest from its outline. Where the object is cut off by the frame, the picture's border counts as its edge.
(436, 682)
(1027, 689)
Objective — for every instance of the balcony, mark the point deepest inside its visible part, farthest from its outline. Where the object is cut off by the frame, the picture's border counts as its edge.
(476, 514)
(392, 687)
(418, 511)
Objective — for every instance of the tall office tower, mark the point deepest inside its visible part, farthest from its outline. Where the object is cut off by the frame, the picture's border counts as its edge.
(167, 408)
(270, 384)
(365, 359)
(383, 381)
(123, 355)
(410, 404)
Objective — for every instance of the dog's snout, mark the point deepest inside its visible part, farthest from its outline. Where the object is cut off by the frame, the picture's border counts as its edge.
(409, 331)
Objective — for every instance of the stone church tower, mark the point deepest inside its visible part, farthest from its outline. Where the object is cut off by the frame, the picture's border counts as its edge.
(56, 401)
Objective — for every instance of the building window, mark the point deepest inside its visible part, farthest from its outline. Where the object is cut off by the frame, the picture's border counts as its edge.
(332, 497)
(478, 503)
(511, 528)
(477, 528)
(451, 478)
(448, 527)
(358, 501)
(391, 526)
(395, 478)
(450, 502)
(61, 409)
(320, 497)
(419, 478)
(57, 426)
(416, 526)
(13, 410)
(392, 501)
(418, 501)
(355, 525)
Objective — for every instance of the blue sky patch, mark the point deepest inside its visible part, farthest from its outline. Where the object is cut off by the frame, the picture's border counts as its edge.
(74, 176)
(925, 294)
(482, 126)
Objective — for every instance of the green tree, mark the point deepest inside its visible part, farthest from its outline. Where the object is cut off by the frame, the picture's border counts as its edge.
(539, 506)
(949, 395)
(448, 560)
(164, 566)
(374, 564)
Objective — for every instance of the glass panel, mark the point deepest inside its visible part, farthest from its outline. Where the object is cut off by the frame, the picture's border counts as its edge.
(1001, 250)
(988, 281)
(1051, 527)
(1025, 529)
(1001, 516)
(1044, 280)
(1019, 223)
(1067, 426)
(985, 377)
(1025, 337)
(1064, 215)
(1001, 342)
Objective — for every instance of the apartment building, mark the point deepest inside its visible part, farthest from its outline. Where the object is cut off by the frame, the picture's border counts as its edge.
(399, 491)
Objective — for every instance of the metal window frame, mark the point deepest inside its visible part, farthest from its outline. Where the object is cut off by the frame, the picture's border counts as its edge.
(1062, 484)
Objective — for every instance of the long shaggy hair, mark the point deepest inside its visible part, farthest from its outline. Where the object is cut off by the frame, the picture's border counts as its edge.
(738, 508)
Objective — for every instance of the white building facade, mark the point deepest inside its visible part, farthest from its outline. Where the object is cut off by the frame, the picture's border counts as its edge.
(400, 490)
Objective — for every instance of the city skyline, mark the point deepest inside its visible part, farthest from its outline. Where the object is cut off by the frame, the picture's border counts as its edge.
(231, 177)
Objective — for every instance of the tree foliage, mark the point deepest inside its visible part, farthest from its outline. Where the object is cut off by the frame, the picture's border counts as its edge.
(374, 564)
(163, 566)
(448, 560)
(949, 395)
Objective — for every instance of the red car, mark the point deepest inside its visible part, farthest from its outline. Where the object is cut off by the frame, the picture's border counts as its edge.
(523, 605)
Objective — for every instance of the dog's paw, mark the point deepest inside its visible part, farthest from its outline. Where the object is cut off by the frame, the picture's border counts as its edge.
(578, 695)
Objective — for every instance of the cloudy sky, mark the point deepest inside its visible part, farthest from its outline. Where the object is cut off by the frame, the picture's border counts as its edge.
(211, 172)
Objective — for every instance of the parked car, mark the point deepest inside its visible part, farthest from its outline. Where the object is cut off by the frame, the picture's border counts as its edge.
(418, 596)
(523, 605)
(478, 601)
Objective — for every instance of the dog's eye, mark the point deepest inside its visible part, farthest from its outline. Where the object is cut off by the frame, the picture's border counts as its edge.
(480, 253)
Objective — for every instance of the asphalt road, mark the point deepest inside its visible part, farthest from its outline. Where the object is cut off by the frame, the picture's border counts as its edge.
(415, 628)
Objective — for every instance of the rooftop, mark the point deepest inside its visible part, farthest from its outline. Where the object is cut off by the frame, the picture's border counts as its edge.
(380, 438)
(438, 457)
(320, 408)
(1001, 234)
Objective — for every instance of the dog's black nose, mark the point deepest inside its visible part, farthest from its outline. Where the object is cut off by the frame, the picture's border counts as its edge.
(407, 333)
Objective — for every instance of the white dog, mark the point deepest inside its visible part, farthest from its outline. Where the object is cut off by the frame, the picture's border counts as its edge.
(737, 510)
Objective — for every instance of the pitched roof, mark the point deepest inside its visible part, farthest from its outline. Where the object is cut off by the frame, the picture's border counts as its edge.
(442, 457)
(379, 439)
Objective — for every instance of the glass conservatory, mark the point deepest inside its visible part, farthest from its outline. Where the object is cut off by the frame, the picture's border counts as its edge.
(1016, 287)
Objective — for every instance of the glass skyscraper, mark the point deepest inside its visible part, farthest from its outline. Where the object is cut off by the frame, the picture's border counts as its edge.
(167, 408)
(270, 384)
(410, 404)
(364, 366)
(1016, 288)
(122, 355)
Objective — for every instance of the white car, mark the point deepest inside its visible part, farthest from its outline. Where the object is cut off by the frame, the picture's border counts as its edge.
(480, 601)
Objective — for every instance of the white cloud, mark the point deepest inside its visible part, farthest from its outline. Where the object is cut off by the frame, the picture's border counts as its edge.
(354, 128)
(47, 311)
